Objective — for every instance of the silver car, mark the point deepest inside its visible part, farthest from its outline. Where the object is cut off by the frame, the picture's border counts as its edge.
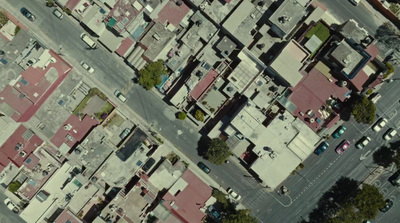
(58, 14)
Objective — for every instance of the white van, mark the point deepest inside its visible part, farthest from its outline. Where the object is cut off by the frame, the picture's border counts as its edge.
(120, 96)
(88, 40)
(355, 2)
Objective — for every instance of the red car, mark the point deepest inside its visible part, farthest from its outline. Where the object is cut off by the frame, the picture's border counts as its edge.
(343, 146)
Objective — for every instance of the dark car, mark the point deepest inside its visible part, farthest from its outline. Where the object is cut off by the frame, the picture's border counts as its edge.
(388, 205)
(28, 14)
(214, 213)
(321, 148)
(204, 167)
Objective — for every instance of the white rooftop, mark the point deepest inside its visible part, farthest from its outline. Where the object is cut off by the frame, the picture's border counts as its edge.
(288, 63)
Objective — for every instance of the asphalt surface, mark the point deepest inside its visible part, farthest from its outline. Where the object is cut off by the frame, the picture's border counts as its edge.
(306, 187)
(343, 10)
(7, 216)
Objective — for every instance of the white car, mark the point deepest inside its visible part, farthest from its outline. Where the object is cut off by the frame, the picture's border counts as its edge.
(363, 142)
(87, 67)
(233, 194)
(120, 96)
(389, 134)
(10, 205)
(379, 125)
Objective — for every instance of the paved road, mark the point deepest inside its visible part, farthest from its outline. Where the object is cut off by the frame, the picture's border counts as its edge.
(343, 10)
(7, 216)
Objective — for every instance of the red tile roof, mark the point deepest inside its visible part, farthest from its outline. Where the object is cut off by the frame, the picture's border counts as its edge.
(78, 130)
(359, 80)
(71, 4)
(65, 216)
(190, 200)
(173, 13)
(124, 47)
(28, 146)
(198, 90)
(14, 98)
(33, 160)
(312, 93)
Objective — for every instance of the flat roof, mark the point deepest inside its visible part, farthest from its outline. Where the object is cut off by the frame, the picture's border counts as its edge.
(347, 57)
(93, 19)
(123, 13)
(125, 46)
(205, 31)
(202, 85)
(351, 30)
(289, 62)
(246, 71)
(156, 39)
(236, 18)
(292, 142)
(173, 13)
(67, 217)
(110, 40)
(286, 17)
(248, 119)
(166, 175)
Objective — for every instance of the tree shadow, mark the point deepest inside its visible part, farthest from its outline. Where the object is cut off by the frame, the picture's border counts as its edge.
(202, 145)
(383, 156)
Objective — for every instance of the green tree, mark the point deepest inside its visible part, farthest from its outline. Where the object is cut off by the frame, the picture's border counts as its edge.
(182, 115)
(383, 156)
(150, 75)
(50, 3)
(3, 18)
(221, 198)
(199, 115)
(218, 151)
(14, 186)
(241, 216)
(368, 200)
(364, 110)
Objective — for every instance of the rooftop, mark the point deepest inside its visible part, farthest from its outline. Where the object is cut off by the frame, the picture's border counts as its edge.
(247, 70)
(286, 17)
(203, 84)
(347, 57)
(81, 197)
(186, 197)
(242, 21)
(73, 130)
(123, 13)
(218, 10)
(155, 40)
(226, 46)
(351, 30)
(67, 217)
(178, 57)
(20, 145)
(166, 175)
(173, 13)
(201, 29)
(291, 142)
(125, 47)
(289, 61)
(110, 41)
(312, 93)
(93, 19)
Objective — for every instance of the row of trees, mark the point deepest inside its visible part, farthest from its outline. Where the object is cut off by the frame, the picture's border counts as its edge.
(348, 201)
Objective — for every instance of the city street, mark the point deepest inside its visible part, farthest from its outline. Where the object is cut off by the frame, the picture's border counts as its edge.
(306, 186)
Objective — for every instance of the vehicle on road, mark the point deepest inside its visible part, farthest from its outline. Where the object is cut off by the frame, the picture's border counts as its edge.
(389, 134)
(10, 205)
(233, 194)
(379, 125)
(354, 2)
(321, 148)
(120, 96)
(338, 132)
(203, 167)
(88, 40)
(343, 146)
(395, 179)
(87, 67)
(58, 14)
(388, 205)
(28, 14)
(363, 142)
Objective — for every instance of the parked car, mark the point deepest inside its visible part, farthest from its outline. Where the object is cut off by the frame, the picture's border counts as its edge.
(58, 14)
(389, 134)
(343, 146)
(363, 142)
(321, 148)
(388, 205)
(338, 132)
(87, 67)
(233, 194)
(28, 14)
(379, 125)
(354, 2)
(203, 167)
(214, 213)
(10, 205)
(124, 133)
(120, 96)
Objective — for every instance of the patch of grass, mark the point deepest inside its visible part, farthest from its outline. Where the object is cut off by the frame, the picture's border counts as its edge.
(14, 186)
(16, 31)
(106, 109)
(66, 10)
(390, 70)
(319, 30)
(114, 120)
(369, 92)
(3, 18)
